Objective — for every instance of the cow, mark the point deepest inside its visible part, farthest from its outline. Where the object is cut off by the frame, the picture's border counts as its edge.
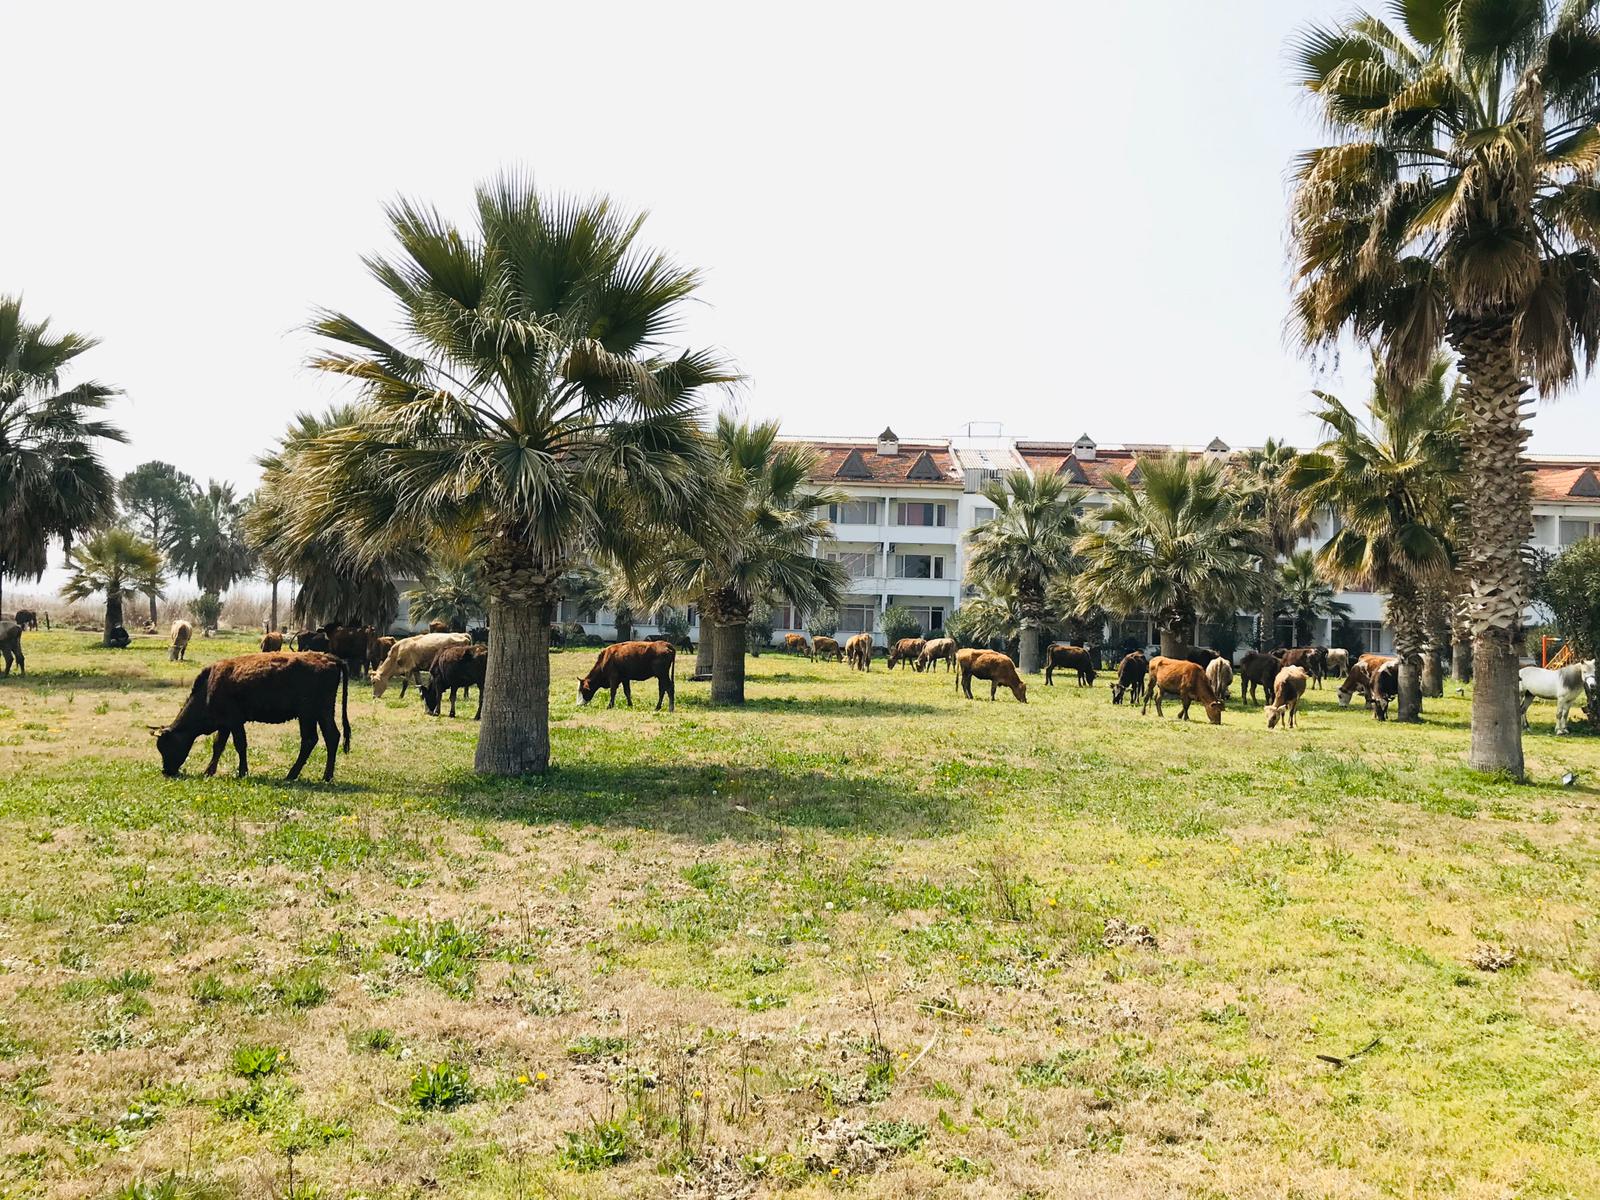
(1256, 670)
(826, 647)
(937, 650)
(1200, 656)
(410, 656)
(181, 631)
(352, 643)
(438, 626)
(1130, 677)
(312, 639)
(1568, 685)
(1313, 659)
(997, 668)
(1184, 679)
(27, 618)
(479, 635)
(859, 651)
(378, 650)
(1219, 674)
(455, 667)
(906, 650)
(1359, 677)
(1287, 689)
(271, 643)
(1385, 687)
(1336, 662)
(1066, 656)
(626, 662)
(11, 647)
(795, 643)
(264, 688)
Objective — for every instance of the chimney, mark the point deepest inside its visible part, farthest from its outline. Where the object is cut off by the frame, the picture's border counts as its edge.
(888, 442)
(1083, 448)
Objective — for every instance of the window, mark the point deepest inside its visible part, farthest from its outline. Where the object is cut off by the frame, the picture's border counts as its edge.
(854, 512)
(1573, 532)
(1371, 635)
(857, 618)
(692, 614)
(918, 566)
(982, 513)
(858, 564)
(784, 616)
(568, 611)
(918, 513)
(930, 617)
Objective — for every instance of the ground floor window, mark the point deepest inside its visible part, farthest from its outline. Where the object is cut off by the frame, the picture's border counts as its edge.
(857, 618)
(785, 616)
(1369, 634)
(929, 616)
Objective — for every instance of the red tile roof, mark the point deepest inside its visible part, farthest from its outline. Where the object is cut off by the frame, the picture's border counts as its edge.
(868, 466)
(1575, 482)
(1093, 473)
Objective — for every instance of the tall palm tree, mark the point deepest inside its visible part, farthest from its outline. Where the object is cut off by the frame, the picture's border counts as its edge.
(1458, 202)
(1305, 595)
(208, 539)
(755, 539)
(117, 562)
(1261, 477)
(525, 399)
(52, 482)
(1178, 545)
(1391, 484)
(1024, 546)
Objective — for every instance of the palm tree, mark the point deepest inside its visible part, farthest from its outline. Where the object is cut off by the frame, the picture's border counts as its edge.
(755, 539)
(1391, 484)
(526, 401)
(208, 539)
(1261, 477)
(52, 482)
(1459, 203)
(1025, 546)
(1305, 595)
(1178, 546)
(117, 562)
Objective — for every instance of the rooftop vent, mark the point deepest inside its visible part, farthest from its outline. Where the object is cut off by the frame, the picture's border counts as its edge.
(925, 468)
(853, 467)
(888, 442)
(1217, 449)
(1083, 449)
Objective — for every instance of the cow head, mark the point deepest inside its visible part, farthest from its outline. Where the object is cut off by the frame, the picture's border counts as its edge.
(1273, 712)
(1214, 711)
(1345, 693)
(432, 692)
(586, 689)
(1020, 691)
(174, 748)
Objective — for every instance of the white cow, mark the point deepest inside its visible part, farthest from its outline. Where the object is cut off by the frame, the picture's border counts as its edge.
(411, 655)
(1570, 685)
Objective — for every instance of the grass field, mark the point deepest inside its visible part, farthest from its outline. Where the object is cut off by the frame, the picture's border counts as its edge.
(861, 937)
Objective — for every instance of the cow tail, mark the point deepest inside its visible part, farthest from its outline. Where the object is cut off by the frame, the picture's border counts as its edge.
(344, 674)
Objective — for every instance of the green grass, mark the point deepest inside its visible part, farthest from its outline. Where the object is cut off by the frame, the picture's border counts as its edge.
(709, 936)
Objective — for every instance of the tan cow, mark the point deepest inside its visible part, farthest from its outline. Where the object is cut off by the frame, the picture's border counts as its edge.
(1287, 689)
(795, 643)
(997, 668)
(905, 651)
(1185, 680)
(1219, 673)
(937, 650)
(826, 647)
(859, 651)
(181, 632)
(410, 656)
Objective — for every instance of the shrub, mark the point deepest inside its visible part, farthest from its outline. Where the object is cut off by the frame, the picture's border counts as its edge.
(1571, 590)
(823, 623)
(897, 622)
(257, 1062)
(603, 1145)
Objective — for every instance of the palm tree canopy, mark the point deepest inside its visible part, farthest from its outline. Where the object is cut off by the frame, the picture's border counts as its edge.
(208, 539)
(117, 563)
(1462, 186)
(153, 496)
(1260, 477)
(52, 482)
(1177, 546)
(1028, 542)
(1304, 590)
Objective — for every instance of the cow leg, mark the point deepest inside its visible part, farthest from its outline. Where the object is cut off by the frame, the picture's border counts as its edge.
(1049, 673)
(1183, 713)
(218, 745)
(330, 737)
(627, 692)
(613, 702)
(994, 686)
(238, 744)
(1527, 702)
(477, 716)
(966, 684)
(308, 743)
(1155, 688)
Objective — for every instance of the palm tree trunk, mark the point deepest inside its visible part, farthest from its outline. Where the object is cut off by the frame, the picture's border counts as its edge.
(1461, 660)
(1267, 618)
(272, 618)
(727, 665)
(1172, 643)
(1432, 672)
(153, 618)
(113, 615)
(514, 735)
(705, 654)
(1405, 615)
(1499, 518)
(1029, 652)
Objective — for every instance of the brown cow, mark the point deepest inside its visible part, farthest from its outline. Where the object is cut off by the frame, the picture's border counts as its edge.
(438, 626)
(622, 664)
(997, 668)
(1314, 660)
(795, 643)
(826, 647)
(1130, 677)
(379, 650)
(1219, 673)
(455, 667)
(353, 643)
(1257, 670)
(1360, 677)
(271, 643)
(1287, 689)
(265, 688)
(1067, 656)
(182, 631)
(906, 650)
(938, 650)
(859, 651)
(11, 647)
(1187, 681)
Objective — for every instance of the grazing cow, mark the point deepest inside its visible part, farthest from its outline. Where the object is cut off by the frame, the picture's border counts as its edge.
(378, 650)
(1359, 677)
(353, 644)
(1184, 679)
(1287, 689)
(1200, 656)
(937, 650)
(438, 626)
(1385, 687)
(1069, 657)
(271, 643)
(410, 656)
(826, 647)
(626, 662)
(795, 643)
(479, 635)
(11, 647)
(1130, 677)
(906, 650)
(181, 631)
(1219, 673)
(1256, 670)
(1568, 685)
(1313, 659)
(455, 667)
(264, 688)
(859, 651)
(997, 668)
(312, 639)
(27, 618)
(1336, 662)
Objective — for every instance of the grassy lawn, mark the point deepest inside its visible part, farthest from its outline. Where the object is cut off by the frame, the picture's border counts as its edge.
(861, 937)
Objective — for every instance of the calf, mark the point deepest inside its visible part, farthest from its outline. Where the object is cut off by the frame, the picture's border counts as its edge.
(997, 668)
(378, 650)
(795, 643)
(409, 657)
(1219, 673)
(438, 626)
(271, 643)
(1385, 687)
(1287, 689)
(1130, 677)
(27, 618)
(1184, 679)
(312, 639)
(1567, 686)
(1257, 670)
(859, 651)
(937, 650)
(906, 650)
(11, 647)
(1069, 657)
(264, 688)
(181, 631)
(626, 662)
(826, 647)
(455, 667)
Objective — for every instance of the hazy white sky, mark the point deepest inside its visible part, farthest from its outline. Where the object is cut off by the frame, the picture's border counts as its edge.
(1061, 217)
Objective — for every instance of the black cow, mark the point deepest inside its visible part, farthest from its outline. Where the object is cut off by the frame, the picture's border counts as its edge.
(455, 667)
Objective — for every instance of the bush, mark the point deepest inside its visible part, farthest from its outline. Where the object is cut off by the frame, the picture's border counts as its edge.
(897, 623)
(1571, 590)
(675, 627)
(823, 623)
(758, 630)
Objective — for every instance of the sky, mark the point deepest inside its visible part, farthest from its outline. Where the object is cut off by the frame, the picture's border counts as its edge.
(1060, 218)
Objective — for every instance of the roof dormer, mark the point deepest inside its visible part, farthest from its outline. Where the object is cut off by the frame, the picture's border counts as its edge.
(888, 442)
(1217, 450)
(1083, 449)
(1586, 485)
